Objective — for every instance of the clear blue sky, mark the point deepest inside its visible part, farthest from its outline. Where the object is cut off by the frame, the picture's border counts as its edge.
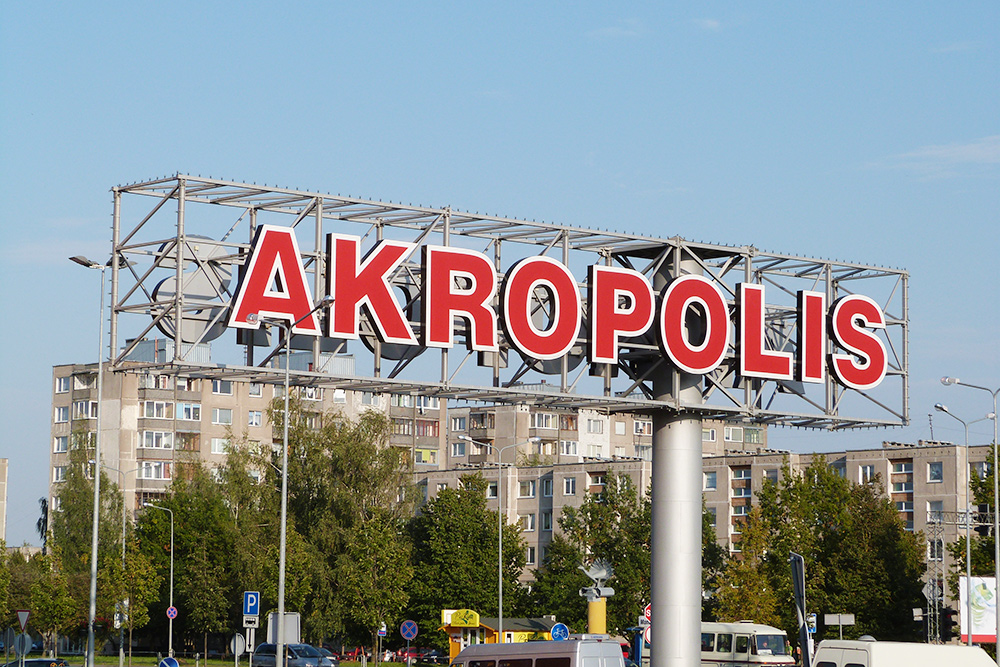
(866, 132)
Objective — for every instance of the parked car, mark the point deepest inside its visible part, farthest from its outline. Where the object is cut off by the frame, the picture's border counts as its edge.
(356, 653)
(297, 655)
(433, 656)
(39, 662)
(330, 655)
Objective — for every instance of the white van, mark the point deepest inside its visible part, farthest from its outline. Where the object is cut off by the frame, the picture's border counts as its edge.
(577, 651)
(859, 653)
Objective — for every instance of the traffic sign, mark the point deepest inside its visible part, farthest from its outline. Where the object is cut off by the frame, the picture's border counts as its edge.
(238, 645)
(382, 630)
(171, 612)
(169, 662)
(560, 632)
(648, 612)
(251, 621)
(22, 644)
(22, 617)
(251, 603)
(408, 630)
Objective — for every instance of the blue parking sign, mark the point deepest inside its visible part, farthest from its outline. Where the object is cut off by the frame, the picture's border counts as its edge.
(251, 603)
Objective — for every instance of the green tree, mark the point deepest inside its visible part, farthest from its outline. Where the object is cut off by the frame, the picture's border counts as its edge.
(374, 562)
(859, 557)
(615, 526)
(714, 560)
(140, 585)
(53, 609)
(455, 556)
(204, 587)
(556, 589)
(744, 590)
(5, 608)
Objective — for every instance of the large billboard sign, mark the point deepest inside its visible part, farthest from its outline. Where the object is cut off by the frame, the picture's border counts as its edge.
(486, 308)
(463, 284)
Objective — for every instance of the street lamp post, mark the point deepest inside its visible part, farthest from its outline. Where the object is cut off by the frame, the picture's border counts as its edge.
(500, 522)
(968, 520)
(170, 642)
(996, 491)
(92, 611)
(121, 629)
(279, 644)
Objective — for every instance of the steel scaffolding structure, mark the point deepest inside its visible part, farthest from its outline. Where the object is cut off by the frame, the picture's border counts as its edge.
(181, 254)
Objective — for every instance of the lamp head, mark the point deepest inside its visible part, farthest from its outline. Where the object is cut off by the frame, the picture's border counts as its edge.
(949, 380)
(534, 440)
(83, 261)
(941, 408)
(464, 437)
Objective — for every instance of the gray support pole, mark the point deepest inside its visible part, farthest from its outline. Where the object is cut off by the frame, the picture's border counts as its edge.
(676, 505)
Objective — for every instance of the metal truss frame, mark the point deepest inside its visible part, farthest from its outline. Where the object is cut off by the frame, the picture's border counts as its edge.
(223, 215)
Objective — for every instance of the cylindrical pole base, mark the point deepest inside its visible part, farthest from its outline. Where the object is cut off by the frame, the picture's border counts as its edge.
(597, 616)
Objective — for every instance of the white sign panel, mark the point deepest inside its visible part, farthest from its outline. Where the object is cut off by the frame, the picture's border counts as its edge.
(984, 609)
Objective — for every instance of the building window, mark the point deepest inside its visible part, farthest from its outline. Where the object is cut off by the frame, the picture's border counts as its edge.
(547, 487)
(980, 469)
(428, 403)
(529, 558)
(742, 492)
(526, 489)
(339, 396)
(402, 426)
(935, 471)
(619, 427)
(256, 389)
(935, 510)
(401, 401)
(458, 423)
(428, 428)
(491, 490)
(546, 520)
(81, 382)
(189, 412)
(62, 385)
(155, 470)
(708, 435)
(369, 398)
(313, 421)
(597, 479)
(222, 416)
(595, 426)
(710, 481)
(157, 440)
(60, 444)
(255, 418)
(220, 445)
(771, 475)
(904, 506)
(733, 434)
(569, 486)
(935, 550)
(190, 442)
(866, 474)
(84, 409)
(712, 516)
(312, 393)
(741, 473)
(741, 510)
(902, 467)
(753, 436)
(188, 384)
(568, 447)
(902, 487)
(528, 523)
(642, 428)
(567, 422)
(441, 486)
(426, 456)
(224, 387)
(157, 410)
(458, 448)
(543, 420)
(61, 414)
(59, 474)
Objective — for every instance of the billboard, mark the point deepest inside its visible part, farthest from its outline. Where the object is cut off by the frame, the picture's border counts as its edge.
(983, 607)
(467, 306)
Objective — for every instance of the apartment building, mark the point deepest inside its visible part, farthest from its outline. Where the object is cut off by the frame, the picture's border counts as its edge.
(151, 423)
